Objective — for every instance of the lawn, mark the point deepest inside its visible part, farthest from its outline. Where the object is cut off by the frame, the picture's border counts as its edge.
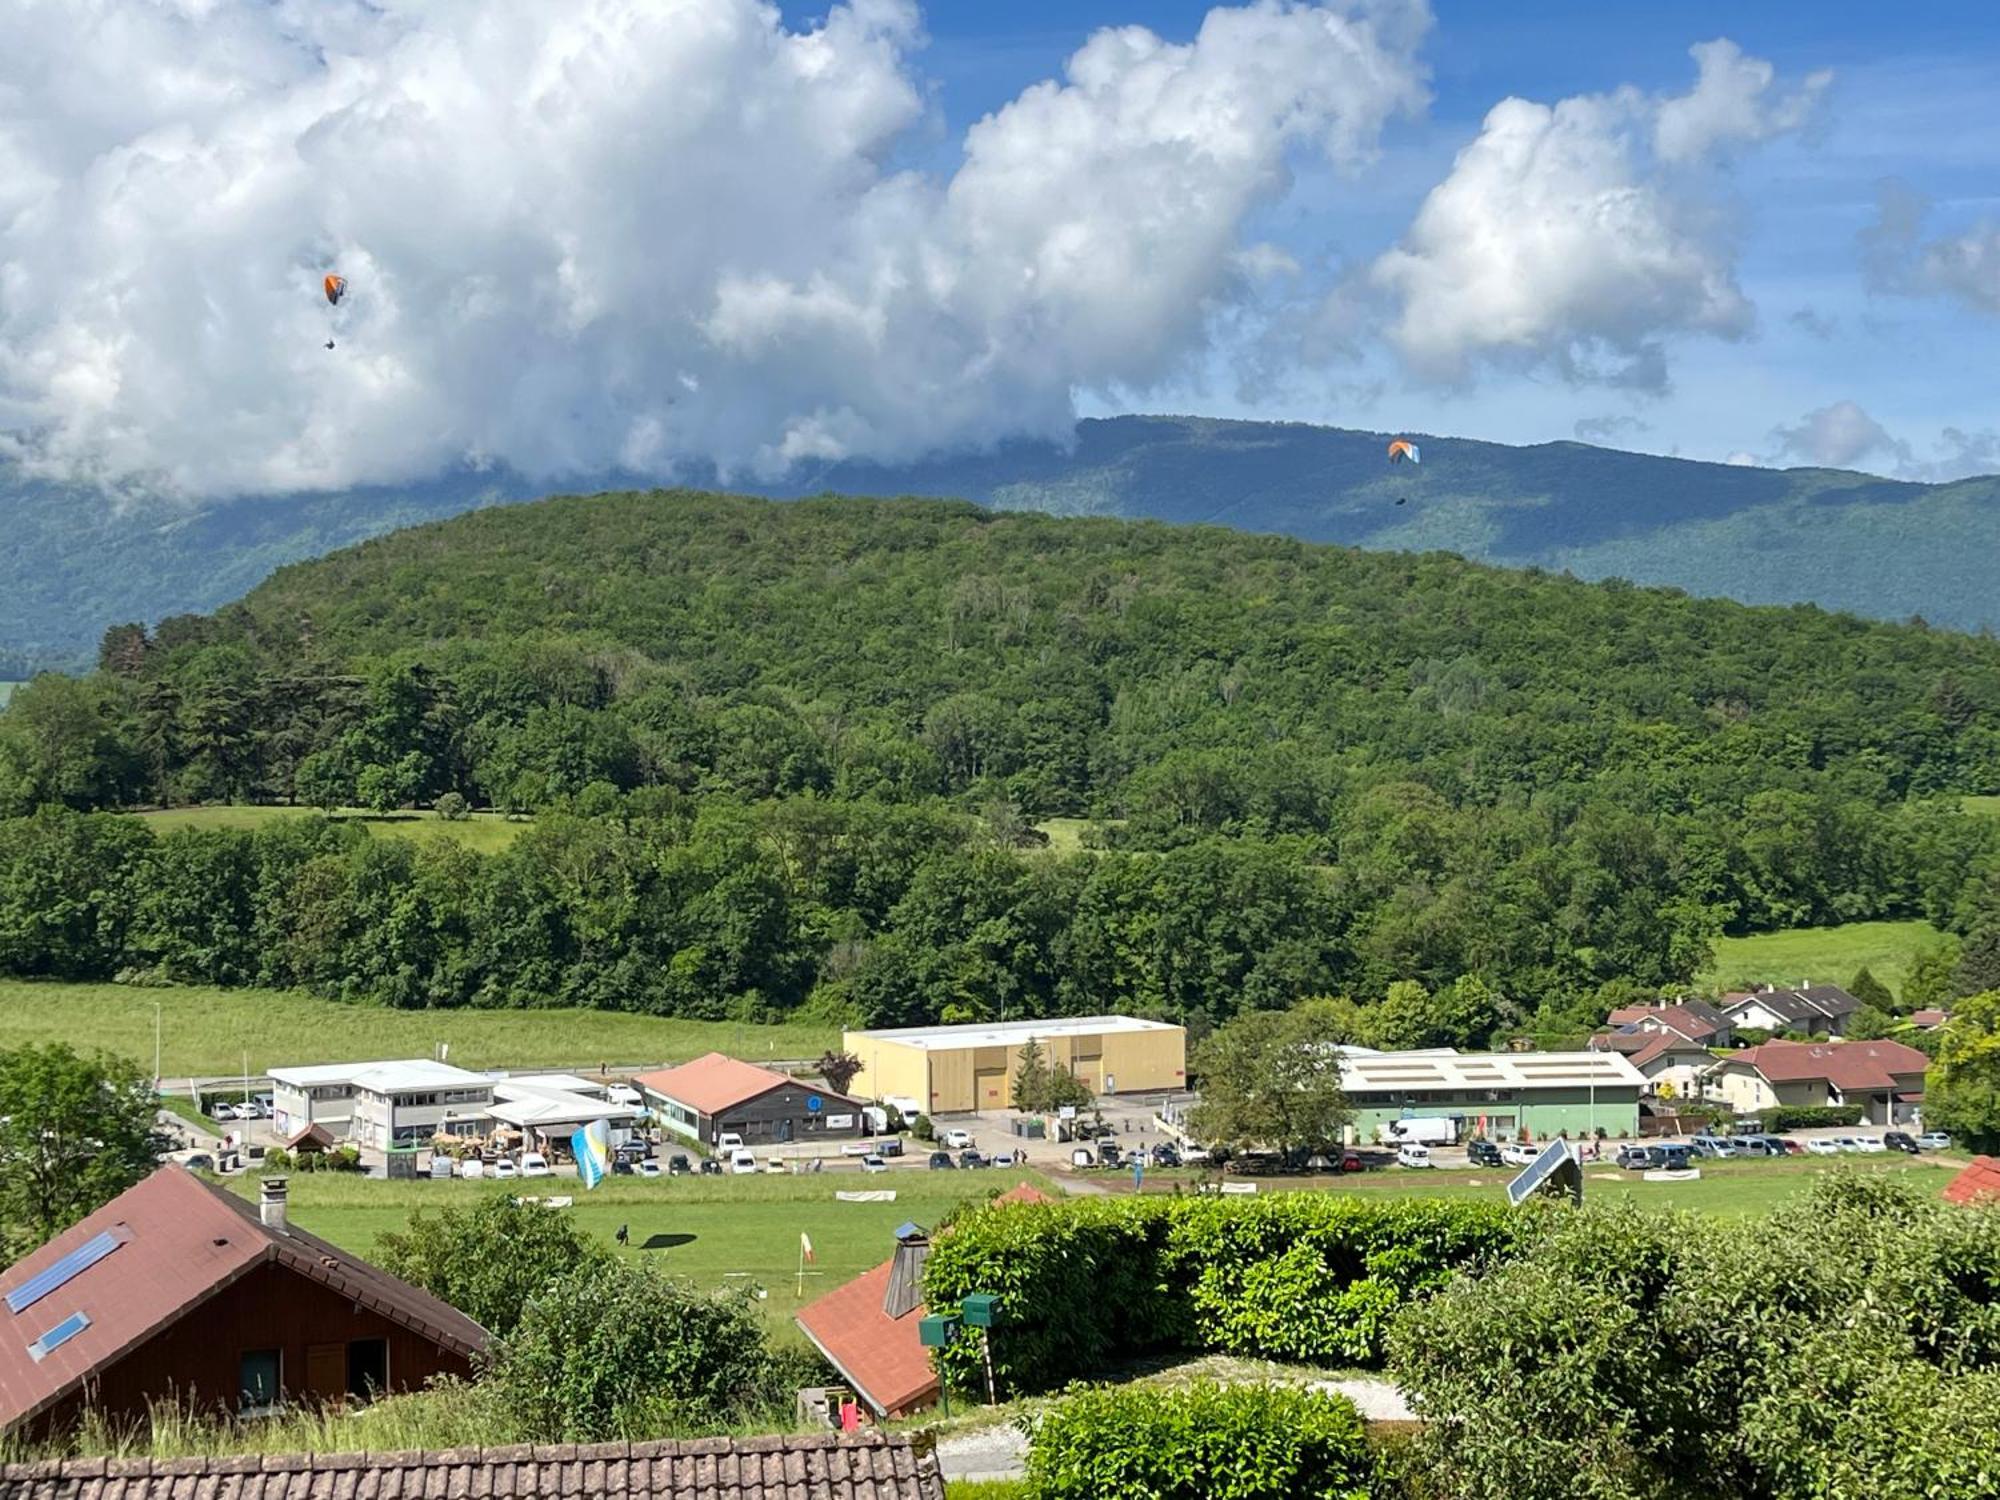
(1985, 806)
(209, 1032)
(1825, 955)
(1730, 1188)
(485, 832)
(714, 1230)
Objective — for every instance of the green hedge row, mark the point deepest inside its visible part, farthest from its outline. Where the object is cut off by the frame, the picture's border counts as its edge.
(1295, 1276)
(1812, 1116)
(1202, 1442)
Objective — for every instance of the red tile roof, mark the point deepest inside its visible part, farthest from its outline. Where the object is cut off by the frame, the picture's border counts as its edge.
(186, 1241)
(1929, 1018)
(1694, 1019)
(314, 1137)
(713, 1083)
(883, 1356)
(1980, 1180)
(793, 1466)
(1642, 1047)
(1845, 1065)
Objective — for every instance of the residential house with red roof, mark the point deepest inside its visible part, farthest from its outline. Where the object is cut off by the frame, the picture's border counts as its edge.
(178, 1291)
(1696, 1020)
(1885, 1078)
(714, 1096)
(1663, 1056)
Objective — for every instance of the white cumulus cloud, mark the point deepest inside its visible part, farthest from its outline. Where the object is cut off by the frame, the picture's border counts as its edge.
(1840, 436)
(1582, 234)
(616, 231)
(1897, 258)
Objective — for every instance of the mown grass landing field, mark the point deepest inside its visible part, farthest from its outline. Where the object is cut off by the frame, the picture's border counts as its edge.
(210, 1032)
(482, 832)
(716, 1231)
(1824, 955)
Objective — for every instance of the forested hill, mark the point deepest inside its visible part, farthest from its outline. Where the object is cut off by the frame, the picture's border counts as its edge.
(1846, 541)
(780, 750)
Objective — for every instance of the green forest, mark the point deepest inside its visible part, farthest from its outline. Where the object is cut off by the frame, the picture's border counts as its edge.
(788, 757)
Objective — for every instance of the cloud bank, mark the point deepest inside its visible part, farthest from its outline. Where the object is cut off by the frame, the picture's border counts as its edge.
(621, 232)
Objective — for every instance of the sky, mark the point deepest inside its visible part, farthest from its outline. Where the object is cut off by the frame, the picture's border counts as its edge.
(648, 234)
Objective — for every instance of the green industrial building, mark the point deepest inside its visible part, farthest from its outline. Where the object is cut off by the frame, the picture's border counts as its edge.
(1500, 1095)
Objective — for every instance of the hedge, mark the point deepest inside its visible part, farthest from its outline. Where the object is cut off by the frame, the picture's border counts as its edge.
(1812, 1116)
(1201, 1442)
(1296, 1276)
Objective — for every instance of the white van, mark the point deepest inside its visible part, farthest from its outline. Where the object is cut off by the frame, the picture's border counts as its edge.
(742, 1161)
(1412, 1155)
(728, 1141)
(1431, 1130)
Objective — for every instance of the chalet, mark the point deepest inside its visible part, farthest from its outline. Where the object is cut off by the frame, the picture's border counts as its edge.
(1814, 1009)
(1662, 1056)
(791, 1466)
(1885, 1078)
(176, 1291)
(714, 1096)
(1696, 1020)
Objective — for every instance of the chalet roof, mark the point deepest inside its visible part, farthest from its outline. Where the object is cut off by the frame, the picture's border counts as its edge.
(179, 1243)
(793, 1466)
(1813, 1002)
(1846, 1065)
(714, 1083)
(1695, 1019)
(314, 1137)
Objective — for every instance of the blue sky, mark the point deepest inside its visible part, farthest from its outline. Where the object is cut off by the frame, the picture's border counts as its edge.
(1913, 97)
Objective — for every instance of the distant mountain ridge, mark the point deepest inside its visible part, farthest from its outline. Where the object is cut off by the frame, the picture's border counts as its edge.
(1845, 541)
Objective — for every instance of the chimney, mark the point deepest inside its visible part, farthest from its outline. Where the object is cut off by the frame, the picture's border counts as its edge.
(271, 1204)
(906, 1272)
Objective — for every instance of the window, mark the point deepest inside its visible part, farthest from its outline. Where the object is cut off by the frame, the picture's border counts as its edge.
(367, 1368)
(257, 1387)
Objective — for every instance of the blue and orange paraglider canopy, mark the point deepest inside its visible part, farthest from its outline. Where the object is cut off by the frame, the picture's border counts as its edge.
(1401, 449)
(336, 288)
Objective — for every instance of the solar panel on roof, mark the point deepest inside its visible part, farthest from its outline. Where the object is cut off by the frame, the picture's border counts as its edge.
(79, 1260)
(57, 1336)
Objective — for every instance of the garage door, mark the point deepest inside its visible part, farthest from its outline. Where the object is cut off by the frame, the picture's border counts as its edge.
(989, 1087)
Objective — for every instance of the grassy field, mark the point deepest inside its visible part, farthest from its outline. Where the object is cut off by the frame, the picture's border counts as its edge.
(6, 692)
(1986, 806)
(1826, 955)
(713, 1230)
(485, 832)
(209, 1031)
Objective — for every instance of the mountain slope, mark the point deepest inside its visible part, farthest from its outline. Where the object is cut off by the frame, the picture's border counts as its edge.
(1845, 541)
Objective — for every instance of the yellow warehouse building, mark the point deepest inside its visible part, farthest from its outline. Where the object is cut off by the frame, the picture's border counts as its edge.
(958, 1069)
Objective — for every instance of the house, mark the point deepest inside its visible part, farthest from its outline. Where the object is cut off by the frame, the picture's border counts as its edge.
(715, 1096)
(1815, 1009)
(1929, 1020)
(381, 1104)
(178, 1291)
(938, 1070)
(548, 1108)
(1885, 1078)
(1662, 1055)
(1977, 1182)
(868, 1465)
(1696, 1020)
(314, 1140)
(867, 1328)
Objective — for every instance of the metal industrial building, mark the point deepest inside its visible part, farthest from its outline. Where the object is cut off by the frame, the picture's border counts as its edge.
(1494, 1094)
(957, 1069)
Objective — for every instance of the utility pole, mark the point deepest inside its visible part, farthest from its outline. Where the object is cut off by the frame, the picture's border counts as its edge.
(156, 1046)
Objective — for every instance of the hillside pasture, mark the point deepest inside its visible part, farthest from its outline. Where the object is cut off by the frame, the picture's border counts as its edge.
(482, 832)
(1824, 955)
(210, 1032)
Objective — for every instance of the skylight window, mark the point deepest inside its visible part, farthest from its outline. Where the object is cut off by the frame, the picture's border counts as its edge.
(79, 1260)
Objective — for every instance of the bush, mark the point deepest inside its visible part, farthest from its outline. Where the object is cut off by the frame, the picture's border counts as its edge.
(1812, 1116)
(278, 1159)
(922, 1128)
(452, 807)
(1202, 1442)
(1299, 1276)
(489, 1260)
(623, 1351)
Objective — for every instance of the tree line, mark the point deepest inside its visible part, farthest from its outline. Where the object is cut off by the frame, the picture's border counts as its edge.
(784, 752)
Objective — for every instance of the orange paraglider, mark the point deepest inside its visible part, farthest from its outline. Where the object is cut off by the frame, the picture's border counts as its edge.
(1401, 449)
(336, 288)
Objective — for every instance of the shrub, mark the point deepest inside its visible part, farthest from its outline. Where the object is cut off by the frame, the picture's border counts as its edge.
(1299, 1276)
(278, 1159)
(452, 807)
(922, 1128)
(622, 1351)
(489, 1260)
(1202, 1442)
(1812, 1116)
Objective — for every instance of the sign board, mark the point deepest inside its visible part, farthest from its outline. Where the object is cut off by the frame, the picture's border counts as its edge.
(1240, 1189)
(1556, 1170)
(840, 1122)
(1066, 1112)
(814, 1104)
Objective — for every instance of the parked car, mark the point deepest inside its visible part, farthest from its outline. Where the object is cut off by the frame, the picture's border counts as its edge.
(775, 1165)
(1899, 1140)
(1765, 1145)
(710, 1167)
(1514, 1154)
(1001, 1159)
(955, 1140)
(472, 1168)
(1079, 1156)
(1824, 1145)
(1410, 1154)
(534, 1164)
(199, 1162)
(1934, 1140)
(1108, 1154)
(1671, 1156)
(1165, 1156)
(941, 1161)
(970, 1159)
(889, 1145)
(742, 1162)
(1633, 1158)
(649, 1167)
(1483, 1154)
(504, 1170)
(1713, 1146)
(677, 1165)
(1792, 1145)
(1869, 1143)
(1350, 1161)
(727, 1142)
(222, 1111)
(873, 1163)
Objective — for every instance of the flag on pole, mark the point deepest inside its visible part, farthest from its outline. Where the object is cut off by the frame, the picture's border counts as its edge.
(806, 1247)
(591, 1146)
